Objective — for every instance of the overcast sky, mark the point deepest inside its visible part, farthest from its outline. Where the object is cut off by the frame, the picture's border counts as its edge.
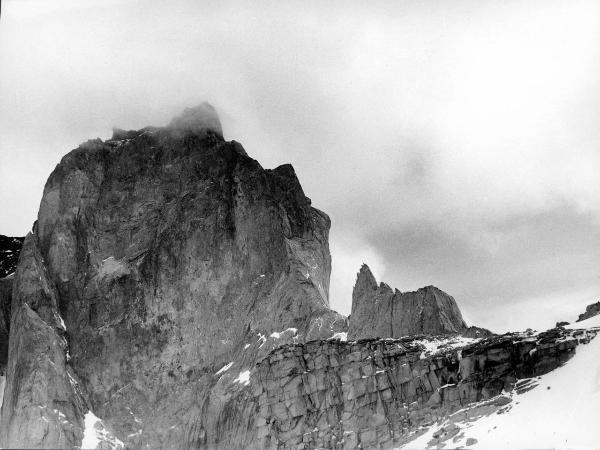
(454, 143)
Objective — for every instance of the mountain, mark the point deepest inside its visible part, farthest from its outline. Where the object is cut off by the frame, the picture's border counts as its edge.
(158, 256)
(379, 311)
(174, 294)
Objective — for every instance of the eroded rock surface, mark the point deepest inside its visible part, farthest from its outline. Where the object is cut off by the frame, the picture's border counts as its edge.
(41, 406)
(166, 252)
(378, 394)
(379, 311)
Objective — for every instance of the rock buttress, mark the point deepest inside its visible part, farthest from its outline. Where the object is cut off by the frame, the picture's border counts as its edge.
(172, 252)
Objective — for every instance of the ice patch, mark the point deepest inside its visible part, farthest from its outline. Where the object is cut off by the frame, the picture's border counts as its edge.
(225, 368)
(243, 378)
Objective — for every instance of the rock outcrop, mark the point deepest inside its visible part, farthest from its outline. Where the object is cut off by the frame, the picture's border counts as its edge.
(378, 394)
(158, 256)
(379, 311)
(10, 248)
(590, 311)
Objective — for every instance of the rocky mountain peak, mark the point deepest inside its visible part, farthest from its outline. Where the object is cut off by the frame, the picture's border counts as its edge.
(198, 120)
(379, 311)
(365, 279)
(159, 257)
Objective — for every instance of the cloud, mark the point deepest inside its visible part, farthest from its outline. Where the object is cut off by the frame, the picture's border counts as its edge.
(435, 135)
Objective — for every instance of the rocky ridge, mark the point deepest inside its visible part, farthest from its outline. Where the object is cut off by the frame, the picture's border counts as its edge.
(376, 393)
(590, 311)
(379, 311)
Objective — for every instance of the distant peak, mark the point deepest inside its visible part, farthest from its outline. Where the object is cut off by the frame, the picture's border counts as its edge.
(197, 120)
(366, 278)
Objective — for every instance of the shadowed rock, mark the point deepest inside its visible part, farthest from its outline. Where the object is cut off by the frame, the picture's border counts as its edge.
(10, 249)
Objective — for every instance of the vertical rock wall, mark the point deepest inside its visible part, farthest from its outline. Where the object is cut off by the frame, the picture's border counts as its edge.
(377, 394)
(378, 311)
(165, 251)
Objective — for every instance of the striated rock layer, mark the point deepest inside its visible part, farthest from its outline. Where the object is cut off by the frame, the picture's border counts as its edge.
(158, 256)
(379, 311)
(380, 394)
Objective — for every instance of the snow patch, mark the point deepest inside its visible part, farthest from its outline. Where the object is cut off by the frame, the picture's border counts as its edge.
(341, 336)
(263, 338)
(94, 434)
(112, 268)
(433, 346)
(225, 368)
(277, 335)
(592, 322)
(560, 411)
(243, 378)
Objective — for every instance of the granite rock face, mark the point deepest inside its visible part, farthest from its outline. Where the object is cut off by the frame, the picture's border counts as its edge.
(10, 248)
(590, 311)
(41, 402)
(158, 256)
(376, 394)
(379, 311)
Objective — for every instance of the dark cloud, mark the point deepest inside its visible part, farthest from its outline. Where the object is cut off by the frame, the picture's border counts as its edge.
(499, 263)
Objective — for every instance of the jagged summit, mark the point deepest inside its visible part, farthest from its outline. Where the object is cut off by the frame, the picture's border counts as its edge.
(378, 311)
(365, 278)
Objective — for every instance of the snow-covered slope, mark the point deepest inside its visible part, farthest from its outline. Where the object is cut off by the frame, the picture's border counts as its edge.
(562, 410)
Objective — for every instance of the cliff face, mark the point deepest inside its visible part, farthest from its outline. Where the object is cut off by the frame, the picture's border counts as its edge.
(378, 311)
(380, 394)
(10, 248)
(158, 256)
